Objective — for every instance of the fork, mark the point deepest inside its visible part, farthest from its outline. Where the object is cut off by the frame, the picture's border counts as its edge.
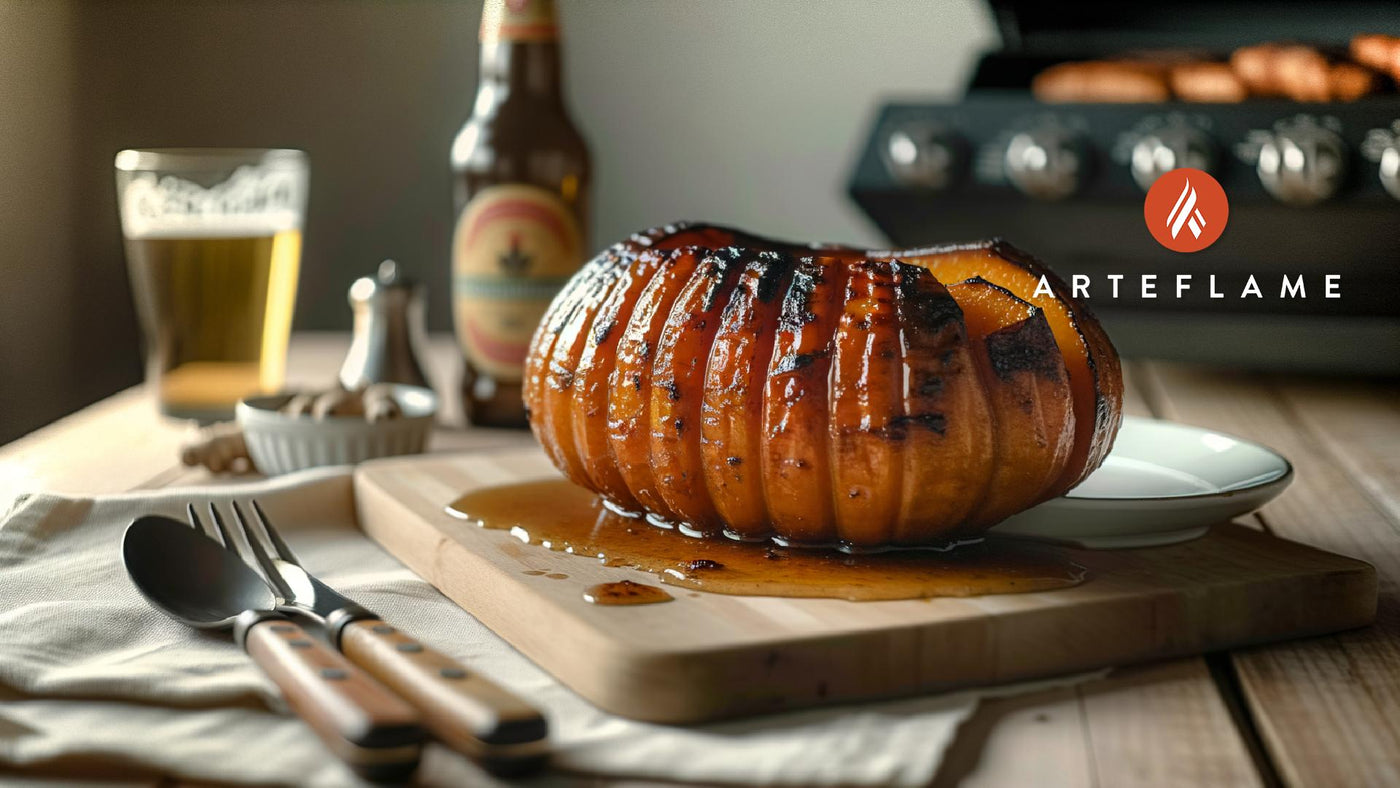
(376, 732)
(464, 709)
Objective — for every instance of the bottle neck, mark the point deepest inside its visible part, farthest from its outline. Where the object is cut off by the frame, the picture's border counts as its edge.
(521, 69)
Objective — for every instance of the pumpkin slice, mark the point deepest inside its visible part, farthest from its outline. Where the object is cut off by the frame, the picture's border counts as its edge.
(946, 421)
(629, 403)
(558, 411)
(731, 431)
(868, 428)
(795, 456)
(681, 359)
(592, 376)
(1027, 388)
(546, 407)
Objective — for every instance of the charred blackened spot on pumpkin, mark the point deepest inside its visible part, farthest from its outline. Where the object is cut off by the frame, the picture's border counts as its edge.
(637, 381)
(644, 349)
(715, 270)
(1027, 347)
(772, 268)
(700, 564)
(795, 361)
(734, 461)
(602, 329)
(796, 310)
(679, 424)
(924, 308)
(928, 385)
(863, 324)
(672, 388)
(897, 428)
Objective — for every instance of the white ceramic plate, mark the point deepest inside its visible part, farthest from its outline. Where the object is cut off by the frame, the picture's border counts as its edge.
(1162, 483)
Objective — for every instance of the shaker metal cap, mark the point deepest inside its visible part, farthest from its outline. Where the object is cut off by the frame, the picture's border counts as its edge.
(388, 330)
(388, 277)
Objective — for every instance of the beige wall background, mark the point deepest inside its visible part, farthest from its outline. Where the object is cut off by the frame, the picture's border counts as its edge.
(742, 111)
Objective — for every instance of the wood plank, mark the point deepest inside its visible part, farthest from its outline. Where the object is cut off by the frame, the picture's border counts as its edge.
(1328, 708)
(1359, 423)
(1142, 721)
(712, 656)
(1164, 725)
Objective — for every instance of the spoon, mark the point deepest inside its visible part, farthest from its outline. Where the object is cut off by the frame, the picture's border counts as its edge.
(193, 579)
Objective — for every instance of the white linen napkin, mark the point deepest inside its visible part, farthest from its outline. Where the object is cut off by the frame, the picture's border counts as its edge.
(96, 682)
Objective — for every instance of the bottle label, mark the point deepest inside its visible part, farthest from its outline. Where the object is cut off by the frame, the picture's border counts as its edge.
(518, 20)
(514, 248)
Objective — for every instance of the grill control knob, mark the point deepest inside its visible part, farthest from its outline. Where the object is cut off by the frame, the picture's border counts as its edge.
(1167, 149)
(1390, 169)
(1047, 163)
(927, 157)
(1302, 163)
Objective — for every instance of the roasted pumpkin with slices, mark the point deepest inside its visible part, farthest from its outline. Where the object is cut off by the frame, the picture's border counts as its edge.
(729, 384)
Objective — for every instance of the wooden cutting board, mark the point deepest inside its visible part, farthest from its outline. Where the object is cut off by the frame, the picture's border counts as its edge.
(707, 656)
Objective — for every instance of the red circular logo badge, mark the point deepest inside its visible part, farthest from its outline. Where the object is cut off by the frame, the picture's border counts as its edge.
(1186, 210)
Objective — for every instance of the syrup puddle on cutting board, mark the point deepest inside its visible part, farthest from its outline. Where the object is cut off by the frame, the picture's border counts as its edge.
(558, 515)
(625, 592)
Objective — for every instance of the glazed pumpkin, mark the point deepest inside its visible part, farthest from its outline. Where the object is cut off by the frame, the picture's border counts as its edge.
(732, 384)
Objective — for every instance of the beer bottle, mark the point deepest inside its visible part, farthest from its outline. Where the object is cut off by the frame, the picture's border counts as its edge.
(521, 175)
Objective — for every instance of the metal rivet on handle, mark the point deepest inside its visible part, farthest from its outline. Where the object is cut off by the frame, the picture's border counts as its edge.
(333, 674)
(410, 648)
(452, 673)
(302, 643)
(382, 629)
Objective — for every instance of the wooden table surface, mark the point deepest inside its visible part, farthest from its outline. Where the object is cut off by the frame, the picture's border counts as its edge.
(1323, 711)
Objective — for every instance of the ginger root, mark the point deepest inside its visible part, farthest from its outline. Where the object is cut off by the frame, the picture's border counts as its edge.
(373, 403)
(220, 448)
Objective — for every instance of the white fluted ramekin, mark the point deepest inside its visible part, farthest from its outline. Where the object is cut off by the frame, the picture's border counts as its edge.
(280, 443)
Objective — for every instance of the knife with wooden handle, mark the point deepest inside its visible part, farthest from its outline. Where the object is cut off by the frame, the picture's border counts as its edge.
(464, 709)
(368, 727)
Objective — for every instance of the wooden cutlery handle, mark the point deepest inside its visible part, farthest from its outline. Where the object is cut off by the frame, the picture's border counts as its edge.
(464, 709)
(364, 724)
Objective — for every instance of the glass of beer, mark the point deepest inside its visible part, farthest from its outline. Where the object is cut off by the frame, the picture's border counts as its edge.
(213, 245)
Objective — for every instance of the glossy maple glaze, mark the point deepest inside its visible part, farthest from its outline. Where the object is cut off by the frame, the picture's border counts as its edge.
(561, 516)
(625, 593)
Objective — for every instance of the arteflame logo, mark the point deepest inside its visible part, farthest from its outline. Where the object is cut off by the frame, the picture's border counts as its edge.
(1186, 210)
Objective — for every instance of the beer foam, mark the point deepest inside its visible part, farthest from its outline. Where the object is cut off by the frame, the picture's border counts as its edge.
(252, 202)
